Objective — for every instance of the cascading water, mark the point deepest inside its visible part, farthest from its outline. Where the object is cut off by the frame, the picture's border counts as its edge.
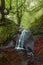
(24, 39)
(20, 42)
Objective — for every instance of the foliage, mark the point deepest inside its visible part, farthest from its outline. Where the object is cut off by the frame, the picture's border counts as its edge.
(8, 30)
(26, 13)
(32, 10)
(37, 26)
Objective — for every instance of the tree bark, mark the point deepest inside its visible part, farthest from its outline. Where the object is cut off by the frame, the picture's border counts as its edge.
(19, 13)
(3, 7)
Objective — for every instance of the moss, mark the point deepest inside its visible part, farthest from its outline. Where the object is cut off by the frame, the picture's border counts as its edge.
(7, 30)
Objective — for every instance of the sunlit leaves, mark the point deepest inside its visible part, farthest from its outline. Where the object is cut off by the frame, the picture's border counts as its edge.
(32, 10)
(0, 2)
(7, 4)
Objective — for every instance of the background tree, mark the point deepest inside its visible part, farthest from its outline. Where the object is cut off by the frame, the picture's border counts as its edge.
(2, 7)
(19, 10)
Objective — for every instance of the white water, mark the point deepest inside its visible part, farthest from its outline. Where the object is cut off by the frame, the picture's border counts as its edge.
(20, 40)
(25, 34)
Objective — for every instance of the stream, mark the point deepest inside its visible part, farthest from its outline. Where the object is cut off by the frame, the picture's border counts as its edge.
(24, 45)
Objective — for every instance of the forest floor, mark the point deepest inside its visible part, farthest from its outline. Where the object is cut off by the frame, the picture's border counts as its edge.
(10, 56)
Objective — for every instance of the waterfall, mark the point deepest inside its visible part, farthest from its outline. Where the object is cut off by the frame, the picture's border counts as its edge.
(25, 35)
(20, 40)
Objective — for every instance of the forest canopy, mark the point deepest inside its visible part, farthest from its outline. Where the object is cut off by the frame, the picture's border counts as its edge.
(23, 13)
(27, 9)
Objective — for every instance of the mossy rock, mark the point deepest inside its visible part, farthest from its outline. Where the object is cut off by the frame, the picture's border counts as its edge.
(7, 30)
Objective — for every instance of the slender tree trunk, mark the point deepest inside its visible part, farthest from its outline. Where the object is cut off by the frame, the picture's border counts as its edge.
(10, 4)
(3, 7)
(19, 13)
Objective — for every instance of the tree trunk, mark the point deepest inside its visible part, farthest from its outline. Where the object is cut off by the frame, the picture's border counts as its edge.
(3, 7)
(19, 13)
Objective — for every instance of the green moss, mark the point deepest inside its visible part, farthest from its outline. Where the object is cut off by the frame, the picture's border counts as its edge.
(7, 31)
